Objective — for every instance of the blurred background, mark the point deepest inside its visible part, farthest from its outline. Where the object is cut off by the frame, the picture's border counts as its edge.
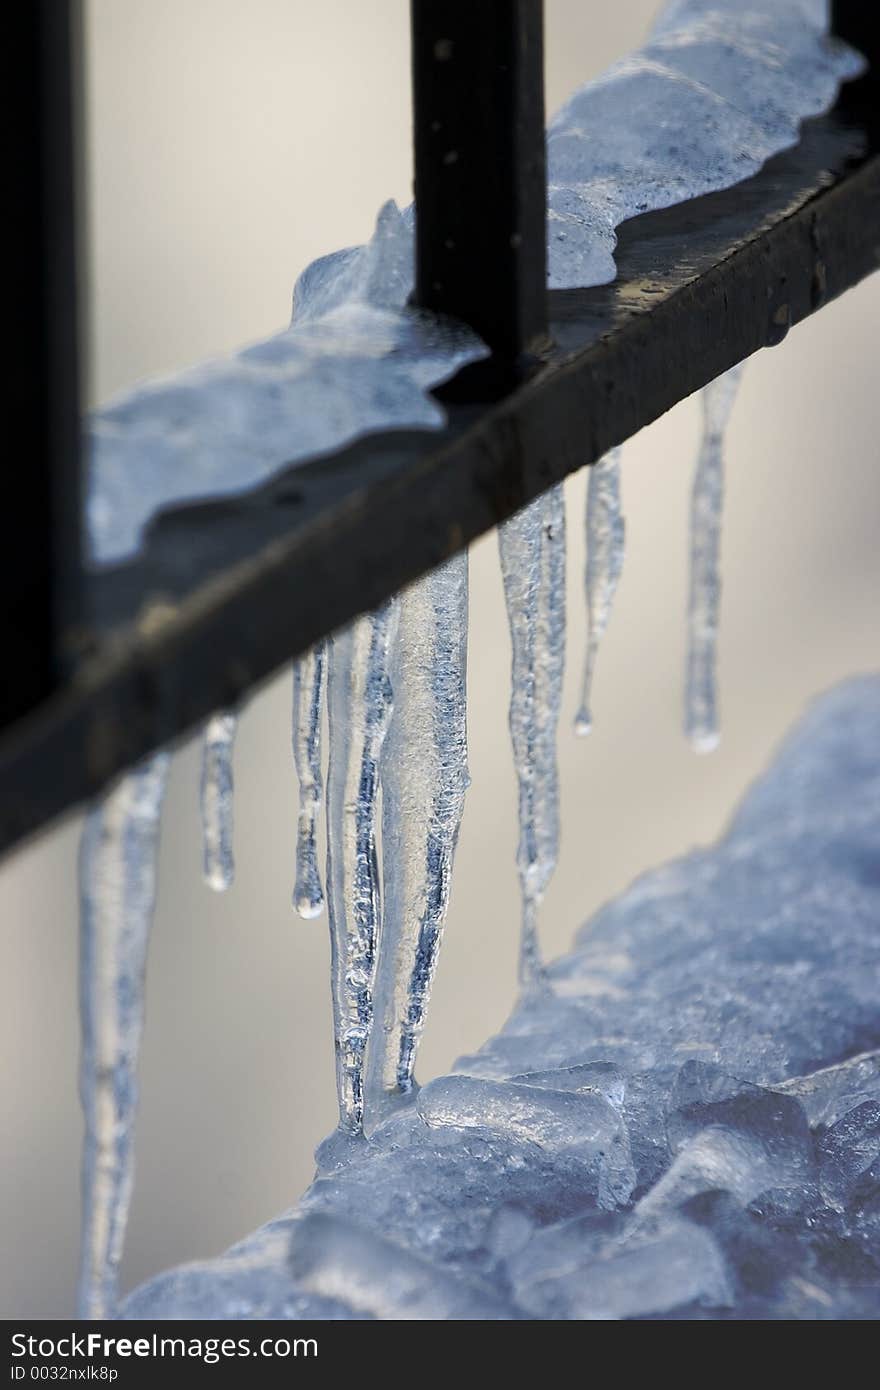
(228, 145)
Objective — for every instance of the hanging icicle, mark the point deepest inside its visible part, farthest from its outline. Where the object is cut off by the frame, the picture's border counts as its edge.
(605, 543)
(117, 894)
(217, 798)
(532, 548)
(424, 780)
(704, 596)
(359, 708)
(309, 675)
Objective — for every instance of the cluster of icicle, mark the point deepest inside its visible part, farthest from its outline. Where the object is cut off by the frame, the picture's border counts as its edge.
(738, 81)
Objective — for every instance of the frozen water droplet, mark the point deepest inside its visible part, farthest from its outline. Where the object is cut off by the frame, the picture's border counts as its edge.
(117, 895)
(218, 789)
(532, 549)
(605, 542)
(704, 596)
(308, 711)
(424, 780)
(359, 708)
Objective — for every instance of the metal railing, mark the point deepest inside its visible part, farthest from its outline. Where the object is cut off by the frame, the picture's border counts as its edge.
(102, 667)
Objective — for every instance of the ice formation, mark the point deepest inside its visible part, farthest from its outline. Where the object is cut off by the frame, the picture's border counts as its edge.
(309, 677)
(217, 798)
(359, 709)
(718, 89)
(424, 780)
(704, 594)
(117, 892)
(720, 86)
(605, 540)
(532, 549)
(686, 1126)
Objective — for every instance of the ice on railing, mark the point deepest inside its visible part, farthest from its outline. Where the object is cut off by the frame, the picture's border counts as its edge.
(716, 91)
(309, 681)
(686, 1126)
(359, 710)
(217, 801)
(704, 592)
(605, 540)
(354, 360)
(117, 893)
(424, 780)
(532, 550)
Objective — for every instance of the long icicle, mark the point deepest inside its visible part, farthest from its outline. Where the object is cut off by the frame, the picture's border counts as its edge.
(532, 548)
(605, 543)
(217, 800)
(424, 780)
(704, 595)
(359, 710)
(309, 678)
(117, 894)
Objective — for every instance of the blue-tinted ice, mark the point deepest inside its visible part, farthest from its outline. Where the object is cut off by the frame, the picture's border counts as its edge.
(717, 90)
(687, 1126)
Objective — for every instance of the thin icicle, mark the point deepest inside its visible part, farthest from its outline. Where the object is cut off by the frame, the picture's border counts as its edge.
(359, 711)
(309, 675)
(704, 596)
(217, 794)
(117, 894)
(605, 541)
(424, 780)
(532, 547)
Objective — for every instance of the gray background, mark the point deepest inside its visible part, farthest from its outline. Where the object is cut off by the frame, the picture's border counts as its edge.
(229, 145)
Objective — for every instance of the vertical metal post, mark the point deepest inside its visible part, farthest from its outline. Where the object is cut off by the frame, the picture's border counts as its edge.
(480, 167)
(40, 528)
(858, 21)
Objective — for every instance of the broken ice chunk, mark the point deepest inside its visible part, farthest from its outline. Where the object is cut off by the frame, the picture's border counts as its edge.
(730, 1135)
(705, 1095)
(828, 1094)
(580, 1123)
(603, 1077)
(847, 1151)
(757, 1255)
(567, 1277)
(333, 1258)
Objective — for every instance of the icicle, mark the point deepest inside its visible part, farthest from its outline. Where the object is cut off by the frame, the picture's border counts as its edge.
(359, 711)
(532, 546)
(117, 893)
(424, 779)
(308, 710)
(605, 539)
(217, 800)
(704, 597)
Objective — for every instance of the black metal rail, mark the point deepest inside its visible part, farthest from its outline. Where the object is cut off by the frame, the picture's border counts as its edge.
(225, 593)
(40, 528)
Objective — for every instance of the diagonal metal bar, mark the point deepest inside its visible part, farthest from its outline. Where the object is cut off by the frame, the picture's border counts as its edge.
(225, 593)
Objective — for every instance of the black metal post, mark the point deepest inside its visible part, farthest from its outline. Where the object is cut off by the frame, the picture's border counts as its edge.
(858, 21)
(40, 529)
(480, 167)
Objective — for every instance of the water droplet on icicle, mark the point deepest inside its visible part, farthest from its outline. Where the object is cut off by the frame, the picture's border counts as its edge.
(704, 596)
(605, 545)
(309, 679)
(359, 708)
(424, 780)
(117, 894)
(532, 548)
(217, 799)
